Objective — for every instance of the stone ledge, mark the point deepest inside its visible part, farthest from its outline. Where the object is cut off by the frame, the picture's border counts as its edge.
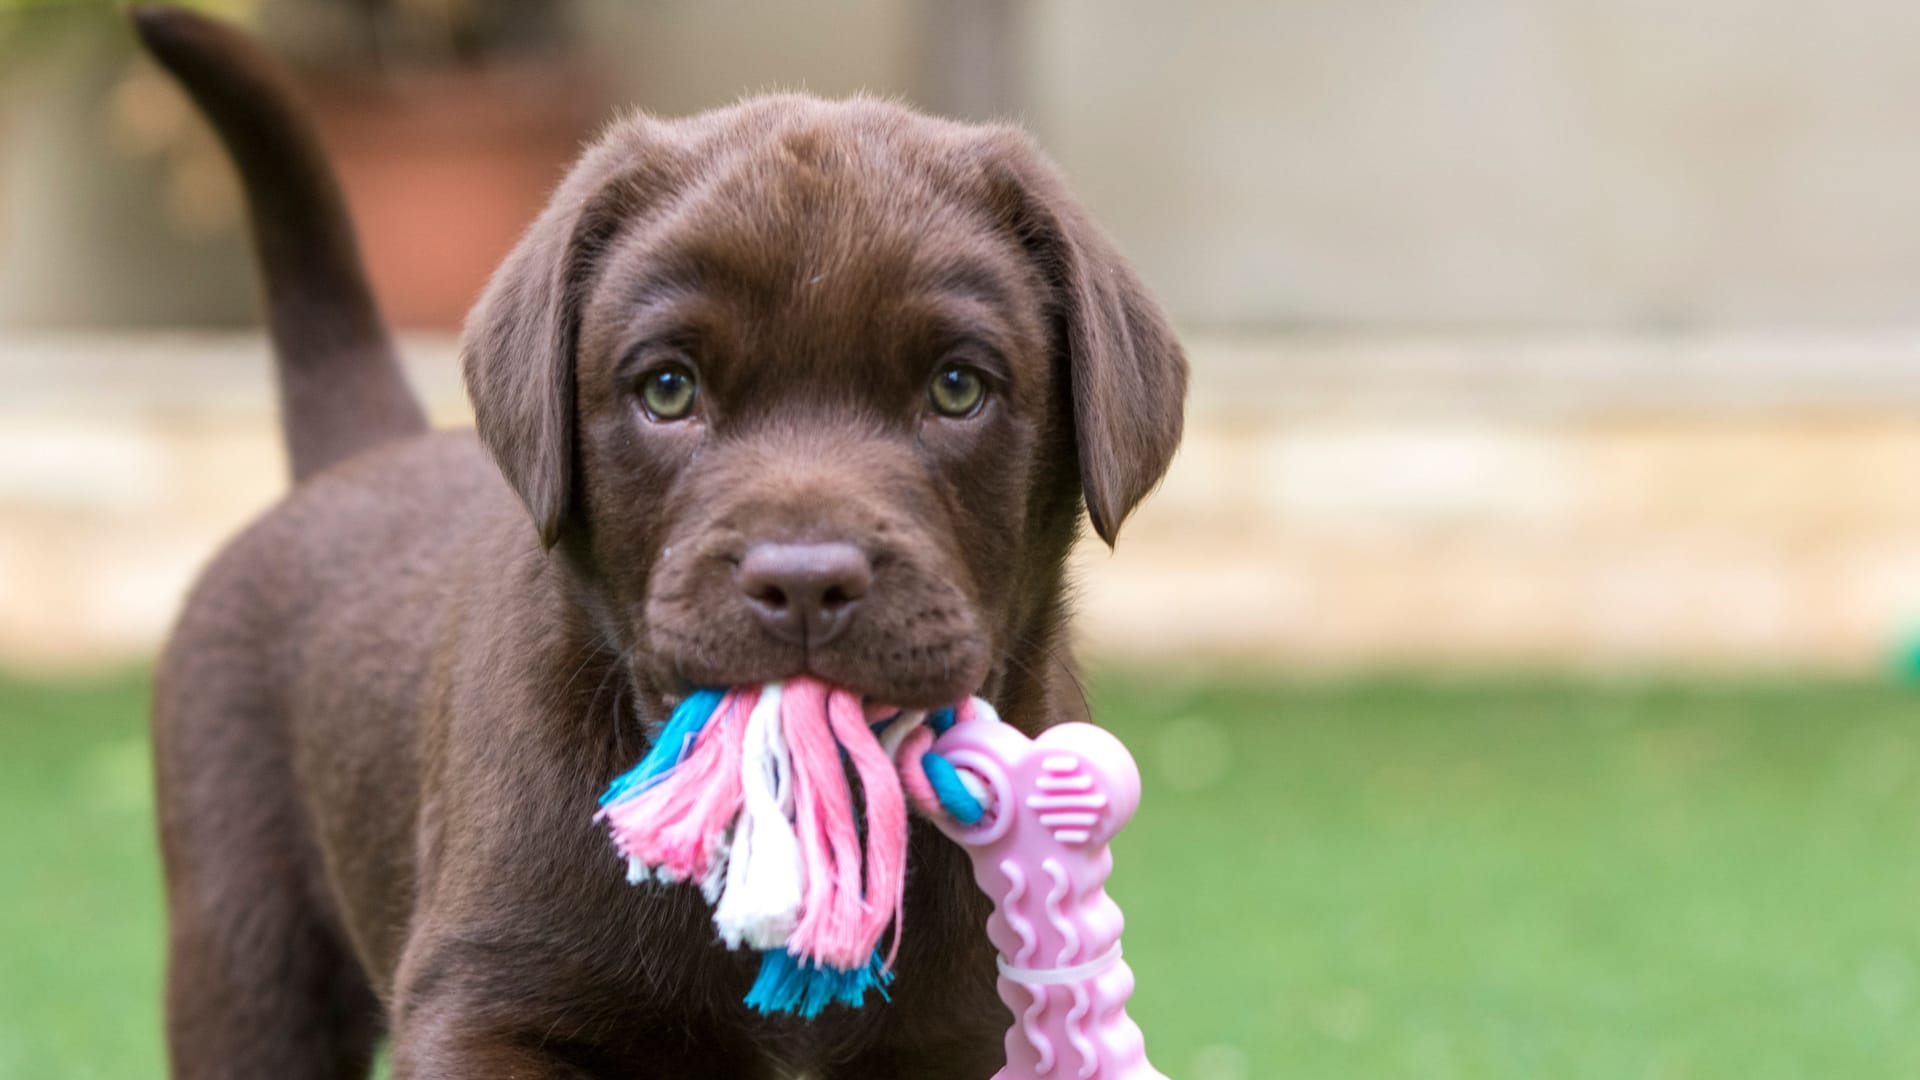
(1554, 377)
(1339, 503)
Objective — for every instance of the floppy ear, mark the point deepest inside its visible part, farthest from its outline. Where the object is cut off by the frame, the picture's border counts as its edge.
(1126, 368)
(518, 345)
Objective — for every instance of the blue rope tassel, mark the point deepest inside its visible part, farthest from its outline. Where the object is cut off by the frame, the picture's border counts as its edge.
(954, 797)
(671, 745)
(788, 984)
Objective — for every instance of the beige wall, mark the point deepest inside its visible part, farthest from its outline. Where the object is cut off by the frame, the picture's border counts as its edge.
(685, 55)
(1364, 162)
(1340, 502)
(1540, 163)
(1497, 161)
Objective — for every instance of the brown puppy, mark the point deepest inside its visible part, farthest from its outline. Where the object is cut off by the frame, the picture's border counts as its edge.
(794, 386)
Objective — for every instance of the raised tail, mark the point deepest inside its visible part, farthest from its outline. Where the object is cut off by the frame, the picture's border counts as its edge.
(341, 390)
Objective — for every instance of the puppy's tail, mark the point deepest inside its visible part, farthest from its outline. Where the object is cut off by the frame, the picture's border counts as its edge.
(341, 390)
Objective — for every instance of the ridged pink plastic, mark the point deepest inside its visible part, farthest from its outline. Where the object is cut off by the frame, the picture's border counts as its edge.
(1042, 855)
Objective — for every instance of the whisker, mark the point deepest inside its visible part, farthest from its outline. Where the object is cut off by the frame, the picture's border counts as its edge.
(591, 649)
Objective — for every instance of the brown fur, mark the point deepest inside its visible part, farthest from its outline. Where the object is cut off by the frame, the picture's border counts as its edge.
(387, 709)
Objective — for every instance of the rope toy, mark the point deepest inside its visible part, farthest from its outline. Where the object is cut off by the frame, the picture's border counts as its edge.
(786, 804)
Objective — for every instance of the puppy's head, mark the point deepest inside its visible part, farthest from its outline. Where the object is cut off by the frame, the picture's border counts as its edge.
(821, 387)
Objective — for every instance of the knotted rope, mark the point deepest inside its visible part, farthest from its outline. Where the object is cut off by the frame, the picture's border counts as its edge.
(751, 794)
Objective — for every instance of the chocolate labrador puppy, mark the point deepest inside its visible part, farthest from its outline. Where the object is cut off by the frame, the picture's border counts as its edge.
(793, 386)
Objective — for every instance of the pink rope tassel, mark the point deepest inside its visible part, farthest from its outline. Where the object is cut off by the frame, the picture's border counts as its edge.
(831, 924)
(913, 776)
(886, 864)
(679, 825)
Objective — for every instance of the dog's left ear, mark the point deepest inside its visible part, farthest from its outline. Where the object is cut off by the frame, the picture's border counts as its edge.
(518, 346)
(1126, 368)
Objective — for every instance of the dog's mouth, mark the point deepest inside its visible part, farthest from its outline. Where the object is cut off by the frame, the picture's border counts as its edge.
(879, 708)
(906, 671)
(876, 684)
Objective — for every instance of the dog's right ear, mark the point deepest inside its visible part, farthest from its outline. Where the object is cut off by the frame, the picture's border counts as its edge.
(1124, 363)
(518, 346)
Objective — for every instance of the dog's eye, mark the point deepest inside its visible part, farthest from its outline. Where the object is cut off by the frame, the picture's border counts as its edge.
(668, 392)
(957, 390)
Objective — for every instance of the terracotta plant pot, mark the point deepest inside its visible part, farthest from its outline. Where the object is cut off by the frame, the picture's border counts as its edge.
(444, 168)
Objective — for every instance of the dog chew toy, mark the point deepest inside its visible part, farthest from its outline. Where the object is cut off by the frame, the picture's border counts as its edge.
(787, 804)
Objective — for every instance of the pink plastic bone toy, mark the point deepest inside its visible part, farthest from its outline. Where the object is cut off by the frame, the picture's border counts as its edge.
(1041, 852)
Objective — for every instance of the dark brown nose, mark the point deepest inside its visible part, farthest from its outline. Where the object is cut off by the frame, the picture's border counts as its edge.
(804, 593)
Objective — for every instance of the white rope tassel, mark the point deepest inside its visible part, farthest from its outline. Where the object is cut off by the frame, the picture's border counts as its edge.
(721, 868)
(896, 733)
(760, 904)
(969, 779)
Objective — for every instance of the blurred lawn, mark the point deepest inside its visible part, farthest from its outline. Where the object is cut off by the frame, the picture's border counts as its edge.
(1378, 880)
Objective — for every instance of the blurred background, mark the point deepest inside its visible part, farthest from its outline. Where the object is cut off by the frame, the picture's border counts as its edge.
(1528, 619)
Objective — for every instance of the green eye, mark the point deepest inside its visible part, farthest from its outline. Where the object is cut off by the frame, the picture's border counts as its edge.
(957, 391)
(668, 392)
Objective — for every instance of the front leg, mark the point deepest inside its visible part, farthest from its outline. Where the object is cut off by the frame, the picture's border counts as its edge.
(446, 1049)
(447, 1042)
(974, 1059)
(443, 1032)
(476, 1000)
(527, 954)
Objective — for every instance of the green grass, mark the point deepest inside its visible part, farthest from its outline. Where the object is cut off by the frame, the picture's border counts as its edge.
(1480, 881)
(80, 921)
